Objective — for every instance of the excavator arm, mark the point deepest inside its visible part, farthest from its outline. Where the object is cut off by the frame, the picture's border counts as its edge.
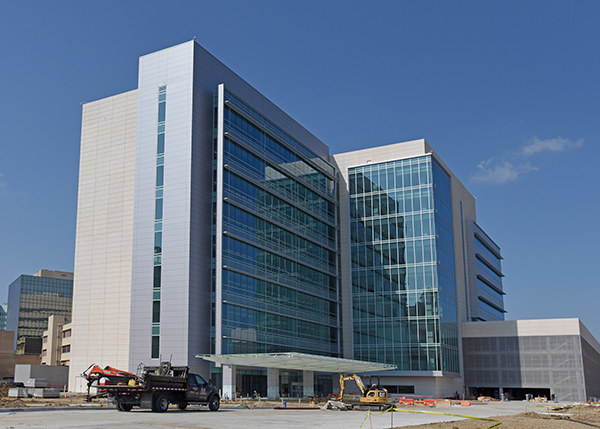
(358, 381)
(369, 395)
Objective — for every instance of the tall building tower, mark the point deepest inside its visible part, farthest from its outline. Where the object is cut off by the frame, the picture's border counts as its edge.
(403, 264)
(207, 223)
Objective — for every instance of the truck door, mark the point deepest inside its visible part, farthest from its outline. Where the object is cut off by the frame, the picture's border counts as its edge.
(202, 384)
(193, 393)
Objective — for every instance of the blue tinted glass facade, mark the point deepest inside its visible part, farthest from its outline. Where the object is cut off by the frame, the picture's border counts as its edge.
(403, 290)
(445, 269)
(481, 247)
(3, 315)
(487, 309)
(488, 269)
(278, 281)
(32, 299)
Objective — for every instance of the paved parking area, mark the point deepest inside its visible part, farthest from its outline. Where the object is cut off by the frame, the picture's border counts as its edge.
(230, 417)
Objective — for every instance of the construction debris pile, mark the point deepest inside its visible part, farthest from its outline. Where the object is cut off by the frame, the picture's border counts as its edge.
(4, 387)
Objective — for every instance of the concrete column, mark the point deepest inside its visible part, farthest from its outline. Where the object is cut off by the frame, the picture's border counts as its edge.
(229, 381)
(308, 383)
(336, 383)
(272, 383)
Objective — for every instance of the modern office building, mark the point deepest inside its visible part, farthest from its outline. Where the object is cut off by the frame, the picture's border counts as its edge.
(207, 223)
(211, 223)
(31, 300)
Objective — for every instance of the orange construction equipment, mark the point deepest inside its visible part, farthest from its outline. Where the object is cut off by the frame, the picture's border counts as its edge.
(106, 375)
(94, 371)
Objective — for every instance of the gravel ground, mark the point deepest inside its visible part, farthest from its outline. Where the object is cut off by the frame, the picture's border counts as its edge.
(575, 417)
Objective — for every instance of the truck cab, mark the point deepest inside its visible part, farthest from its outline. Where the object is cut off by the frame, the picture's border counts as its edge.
(198, 389)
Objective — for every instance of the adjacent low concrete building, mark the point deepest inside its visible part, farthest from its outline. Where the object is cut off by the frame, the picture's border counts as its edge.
(556, 358)
(56, 342)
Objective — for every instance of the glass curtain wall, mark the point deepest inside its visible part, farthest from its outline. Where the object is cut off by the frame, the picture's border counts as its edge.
(489, 282)
(442, 204)
(279, 280)
(403, 294)
(39, 298)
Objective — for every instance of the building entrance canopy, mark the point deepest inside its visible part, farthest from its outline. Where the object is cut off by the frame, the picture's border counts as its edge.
(298, 361)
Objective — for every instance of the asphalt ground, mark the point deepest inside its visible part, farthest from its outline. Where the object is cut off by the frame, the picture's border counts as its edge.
(233, 417)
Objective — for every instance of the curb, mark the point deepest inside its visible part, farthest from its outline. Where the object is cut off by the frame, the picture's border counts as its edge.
(34, 409)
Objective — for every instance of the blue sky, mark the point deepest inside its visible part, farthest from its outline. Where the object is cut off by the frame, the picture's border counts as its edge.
(506, 92)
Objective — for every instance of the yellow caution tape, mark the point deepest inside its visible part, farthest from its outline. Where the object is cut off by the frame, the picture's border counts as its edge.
(487, 419)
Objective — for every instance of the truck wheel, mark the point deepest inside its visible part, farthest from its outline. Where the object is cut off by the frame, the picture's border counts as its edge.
(214, 403)
(161, 404)
(124, 407)
(182, 406)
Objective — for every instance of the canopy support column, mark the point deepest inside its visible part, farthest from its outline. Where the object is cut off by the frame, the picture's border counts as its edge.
(229, 388)
(308, 382)
(272, 383)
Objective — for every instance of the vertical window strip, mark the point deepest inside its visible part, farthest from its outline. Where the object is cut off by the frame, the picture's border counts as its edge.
(158, 217)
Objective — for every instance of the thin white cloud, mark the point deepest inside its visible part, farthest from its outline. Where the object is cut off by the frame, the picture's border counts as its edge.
(507, 171)
(553, 145)
(500, 173)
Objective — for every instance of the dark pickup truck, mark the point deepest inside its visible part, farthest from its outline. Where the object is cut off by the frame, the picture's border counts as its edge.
(157, 387)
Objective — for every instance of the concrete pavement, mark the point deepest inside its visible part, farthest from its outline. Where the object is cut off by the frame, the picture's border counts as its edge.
(232, 417)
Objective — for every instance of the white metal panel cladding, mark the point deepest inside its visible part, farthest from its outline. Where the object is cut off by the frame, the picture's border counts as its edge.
(178, 78)
(103, 257)
(219, 225)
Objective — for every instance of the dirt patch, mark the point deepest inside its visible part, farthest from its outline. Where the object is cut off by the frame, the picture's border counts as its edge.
(11, 403)
(63, 401)
(39, 402)
(575, 417)
(4, 386)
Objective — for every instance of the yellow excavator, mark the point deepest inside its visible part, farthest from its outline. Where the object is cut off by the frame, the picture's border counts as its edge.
(374, 396)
